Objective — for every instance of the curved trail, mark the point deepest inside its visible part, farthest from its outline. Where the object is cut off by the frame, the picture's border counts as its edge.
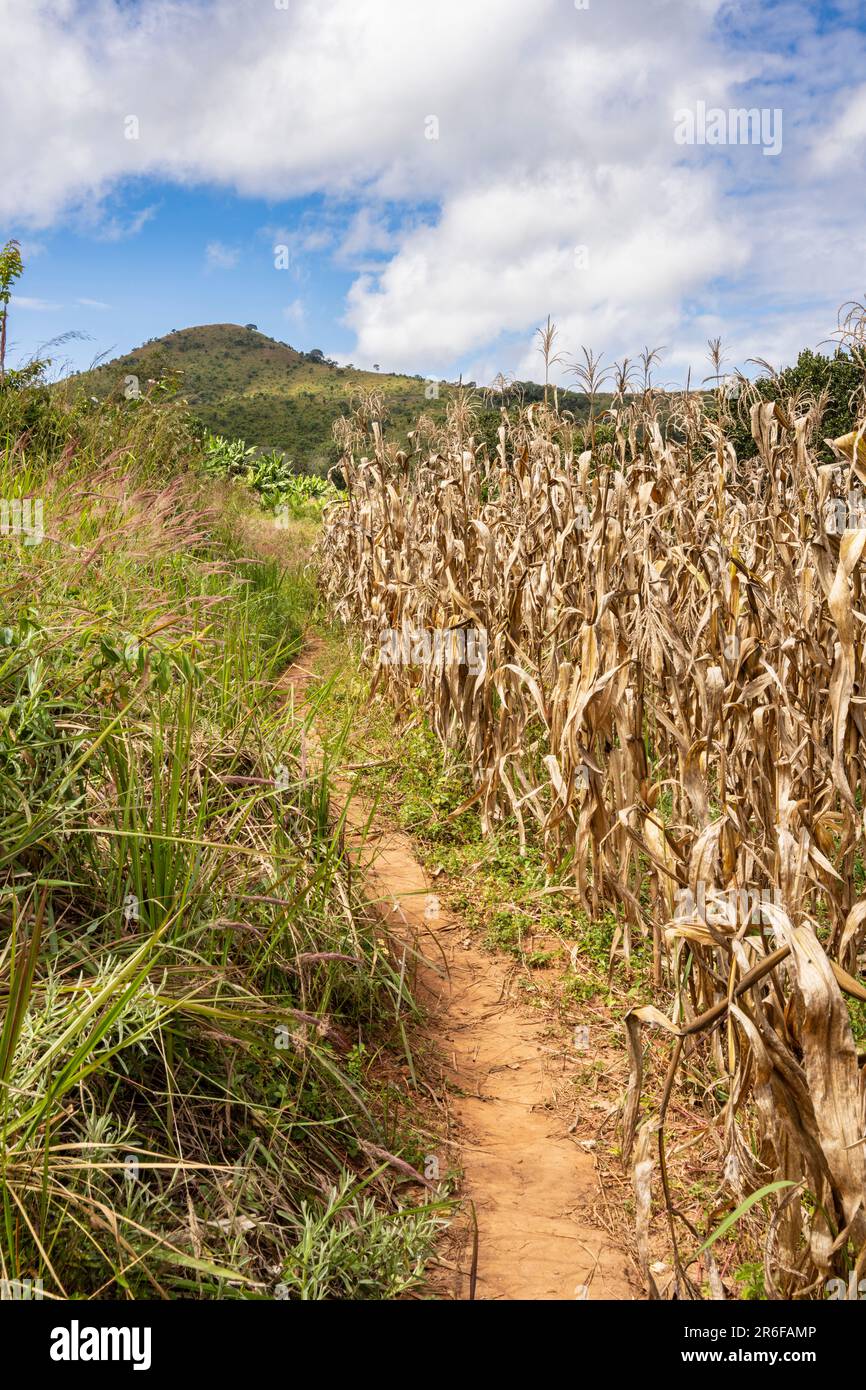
(528, 1181)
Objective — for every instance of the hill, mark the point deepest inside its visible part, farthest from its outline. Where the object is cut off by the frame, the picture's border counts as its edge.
(243, 384)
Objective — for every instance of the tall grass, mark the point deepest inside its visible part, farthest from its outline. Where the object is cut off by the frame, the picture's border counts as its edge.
(185, 971)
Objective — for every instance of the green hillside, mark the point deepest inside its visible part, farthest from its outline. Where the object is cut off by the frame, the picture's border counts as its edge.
(245, 385)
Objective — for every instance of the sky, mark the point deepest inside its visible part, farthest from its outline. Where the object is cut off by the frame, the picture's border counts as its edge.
(419, 183)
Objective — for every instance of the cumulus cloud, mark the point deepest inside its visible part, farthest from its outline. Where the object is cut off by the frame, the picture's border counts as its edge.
(368, 234)
(481, 165)
(844, 142)
(501, 256)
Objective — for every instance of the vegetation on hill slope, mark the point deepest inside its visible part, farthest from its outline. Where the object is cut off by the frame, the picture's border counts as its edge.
(242, 384)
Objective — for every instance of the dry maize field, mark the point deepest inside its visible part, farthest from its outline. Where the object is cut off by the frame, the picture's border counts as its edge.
(671, 700)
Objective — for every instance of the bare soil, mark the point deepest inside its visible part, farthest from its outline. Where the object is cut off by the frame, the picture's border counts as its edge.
(529, 1189)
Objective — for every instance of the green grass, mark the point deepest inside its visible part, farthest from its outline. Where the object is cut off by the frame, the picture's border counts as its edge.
(185, 1083)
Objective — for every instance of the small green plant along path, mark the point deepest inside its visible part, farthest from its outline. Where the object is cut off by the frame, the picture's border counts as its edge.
(500, 1071)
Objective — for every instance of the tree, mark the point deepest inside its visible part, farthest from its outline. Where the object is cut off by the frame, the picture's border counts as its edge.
(11, 267)
(253, 327)
(838, 381)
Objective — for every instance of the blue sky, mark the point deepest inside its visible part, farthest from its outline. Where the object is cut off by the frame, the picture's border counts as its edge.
(201, 256)
(443, 176)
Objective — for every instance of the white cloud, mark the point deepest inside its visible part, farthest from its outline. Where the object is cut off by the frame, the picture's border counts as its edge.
(221, 257)
(292, 248)
(316, 239)
(24, 301)
(92, 303)
(501, 257)
(118, 229)
(295, 312)
(555, 130)
(843, 143)
(367, 234)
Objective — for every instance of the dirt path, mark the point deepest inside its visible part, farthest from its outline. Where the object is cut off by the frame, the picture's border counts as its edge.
(530, 1182)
